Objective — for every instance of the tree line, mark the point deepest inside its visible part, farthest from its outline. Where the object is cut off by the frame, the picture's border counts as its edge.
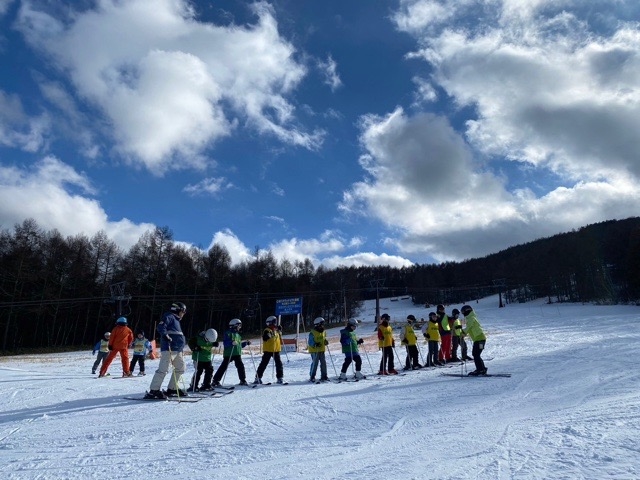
(60, 291)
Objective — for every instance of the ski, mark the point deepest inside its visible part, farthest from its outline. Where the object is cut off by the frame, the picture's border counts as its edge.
(504, 375)
(168, 399)
(224, 387)
(271, 383)
(204, 395)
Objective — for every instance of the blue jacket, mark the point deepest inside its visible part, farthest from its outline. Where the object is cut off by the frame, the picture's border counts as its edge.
(170, 325)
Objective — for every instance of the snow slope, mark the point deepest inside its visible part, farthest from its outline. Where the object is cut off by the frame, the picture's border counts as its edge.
(571, 410)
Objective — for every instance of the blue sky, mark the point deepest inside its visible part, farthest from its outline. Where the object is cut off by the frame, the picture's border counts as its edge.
(350, 133)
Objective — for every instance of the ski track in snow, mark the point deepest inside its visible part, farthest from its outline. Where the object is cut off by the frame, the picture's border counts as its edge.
(571, 410)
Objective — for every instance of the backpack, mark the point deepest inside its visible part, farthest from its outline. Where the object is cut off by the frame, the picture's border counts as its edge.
(193, 344)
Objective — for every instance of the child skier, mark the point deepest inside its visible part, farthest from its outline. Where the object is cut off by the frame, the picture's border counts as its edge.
(350, 343)
(385, 340)
(410, 341)
(474, 329)
(202, 356)
(141, 347)
(119, 341)
(317, 343)
(271, 346)
(431, 331)
(102, 347)
(233, 346)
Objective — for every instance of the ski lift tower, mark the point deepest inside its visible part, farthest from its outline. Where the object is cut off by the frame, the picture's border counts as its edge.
(118, 297)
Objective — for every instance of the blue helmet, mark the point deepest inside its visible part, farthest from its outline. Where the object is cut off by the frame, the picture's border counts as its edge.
(121, 321)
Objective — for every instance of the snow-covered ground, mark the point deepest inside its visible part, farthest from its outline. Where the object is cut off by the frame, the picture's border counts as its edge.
(571, 410)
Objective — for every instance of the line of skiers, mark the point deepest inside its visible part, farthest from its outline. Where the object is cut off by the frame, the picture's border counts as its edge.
(443, 334)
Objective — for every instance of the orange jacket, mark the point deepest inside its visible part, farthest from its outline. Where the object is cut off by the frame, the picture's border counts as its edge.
(121, 337)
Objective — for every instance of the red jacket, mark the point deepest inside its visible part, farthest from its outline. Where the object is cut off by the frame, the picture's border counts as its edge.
(121, 337)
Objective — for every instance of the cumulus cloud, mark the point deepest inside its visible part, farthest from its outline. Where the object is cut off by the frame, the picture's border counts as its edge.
(425, 186)
(552, 104)
(168, 84)
(59, 197)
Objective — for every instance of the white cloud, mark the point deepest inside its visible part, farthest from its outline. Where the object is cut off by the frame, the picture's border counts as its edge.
(170, 85)
(208, 186)
(57, 197)
(423, 184)
(237, 250)
(19, 130)
(329, 69)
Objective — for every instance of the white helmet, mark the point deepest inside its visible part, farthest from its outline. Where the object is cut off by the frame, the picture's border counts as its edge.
(211, 335)
(107, 334)
(271, 320)
(235, 323)
(352, 322)
(318, 321)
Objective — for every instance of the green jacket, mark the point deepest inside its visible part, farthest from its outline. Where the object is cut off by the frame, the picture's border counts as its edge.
(474, 329)
(204, 352)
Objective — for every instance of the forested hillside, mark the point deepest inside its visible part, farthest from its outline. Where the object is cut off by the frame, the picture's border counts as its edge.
(64, 292)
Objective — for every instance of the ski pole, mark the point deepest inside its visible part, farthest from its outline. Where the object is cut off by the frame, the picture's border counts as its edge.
(420, 352)
(332, 363)
(173, 372)
(195, 374)
(285, 347)
(353, 367)
(373, 372)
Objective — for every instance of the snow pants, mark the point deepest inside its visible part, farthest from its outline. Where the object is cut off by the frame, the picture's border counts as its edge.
(266, 356)
(237, 360)
(168, 359)
(412, 357)
(318, 358)
(100, 358)
(445, 349)
(476, 353)
(124, 358)
(432, 356)
(207, 368)
(351, 357)
(139, 359)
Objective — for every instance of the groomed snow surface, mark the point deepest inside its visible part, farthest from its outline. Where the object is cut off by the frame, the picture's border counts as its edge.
(571, 410)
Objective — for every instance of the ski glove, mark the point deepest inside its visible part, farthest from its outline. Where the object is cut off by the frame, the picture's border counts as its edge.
(360, 341)
(326, 342)
(244, 344)
(279, 328)
(110, 347)
(426, 335)
(94, 352)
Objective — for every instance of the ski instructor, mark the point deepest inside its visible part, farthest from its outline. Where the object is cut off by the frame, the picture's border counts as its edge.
(172, 343)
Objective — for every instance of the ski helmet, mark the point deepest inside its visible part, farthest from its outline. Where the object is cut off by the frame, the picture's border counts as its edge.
(141, 333)
(178, 307)
(352, 322)
(121, 321)
(432, 315)
(235, 323)
(411, 318)
(318, 321)
(211, 335)
(271, 320)
(107, 334)
(466, 310)
(440, 308)
(385, 317)
(455, 312)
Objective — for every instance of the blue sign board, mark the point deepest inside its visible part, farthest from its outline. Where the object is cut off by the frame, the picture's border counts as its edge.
(289, 306)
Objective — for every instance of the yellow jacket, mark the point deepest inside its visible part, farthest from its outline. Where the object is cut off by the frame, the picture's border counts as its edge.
(271, 340)
(385, 336)
(409, 335)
